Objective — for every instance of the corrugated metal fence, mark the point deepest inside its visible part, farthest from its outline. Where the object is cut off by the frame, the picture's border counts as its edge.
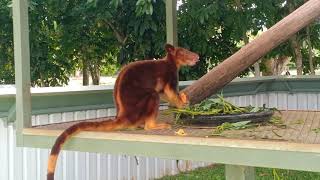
(30, 164)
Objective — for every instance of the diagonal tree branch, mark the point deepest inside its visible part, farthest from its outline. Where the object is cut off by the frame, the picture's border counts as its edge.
(225, 72)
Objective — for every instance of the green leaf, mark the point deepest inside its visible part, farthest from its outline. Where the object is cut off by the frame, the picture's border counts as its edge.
(316, 130)
(201, 19)
(55, 25)
(142, 29)
(241, 124)
(150, 9)
(153, 26)
(140, 2)
(255, 109)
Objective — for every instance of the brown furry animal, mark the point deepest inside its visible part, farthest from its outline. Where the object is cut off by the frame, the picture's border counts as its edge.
(136, 95)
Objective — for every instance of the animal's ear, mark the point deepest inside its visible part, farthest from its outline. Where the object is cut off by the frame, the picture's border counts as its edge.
(169, 48)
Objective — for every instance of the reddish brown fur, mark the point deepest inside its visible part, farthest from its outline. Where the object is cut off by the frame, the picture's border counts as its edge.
(136, 96)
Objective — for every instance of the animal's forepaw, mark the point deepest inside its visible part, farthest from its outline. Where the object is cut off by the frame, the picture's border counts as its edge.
(183, 98)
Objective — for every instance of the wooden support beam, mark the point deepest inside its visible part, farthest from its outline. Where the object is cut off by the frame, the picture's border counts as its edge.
(235, 172)
(22, 65)
(171, 22)
(249, 54)
(275, 154)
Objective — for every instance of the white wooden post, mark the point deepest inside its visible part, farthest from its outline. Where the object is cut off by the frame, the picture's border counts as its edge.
(22, 66)
(234, 172)
(171, 22)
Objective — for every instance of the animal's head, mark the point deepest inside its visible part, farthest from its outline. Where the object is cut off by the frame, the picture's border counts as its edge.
(181, 56)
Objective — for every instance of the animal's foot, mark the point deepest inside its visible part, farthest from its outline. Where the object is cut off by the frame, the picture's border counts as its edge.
(158, 126)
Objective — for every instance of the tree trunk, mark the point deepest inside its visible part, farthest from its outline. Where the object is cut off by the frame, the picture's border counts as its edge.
(311, 65)
(295, 44)
(297, 51)
(85, 73)
(95, 74)
(256, 65)
(310, 51)
(276, 66)
(249, 54)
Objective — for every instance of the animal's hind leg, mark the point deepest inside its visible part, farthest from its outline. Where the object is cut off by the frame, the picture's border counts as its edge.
(151, 113)
(151, 123)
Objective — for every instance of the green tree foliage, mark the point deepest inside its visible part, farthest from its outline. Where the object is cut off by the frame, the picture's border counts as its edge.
(202, 29)
(277, 10)
(65, 35)
(6, 45)
(132, 30)
(50, 63)
(92, 34)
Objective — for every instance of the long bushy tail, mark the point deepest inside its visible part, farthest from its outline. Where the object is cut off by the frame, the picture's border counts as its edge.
(107, 125)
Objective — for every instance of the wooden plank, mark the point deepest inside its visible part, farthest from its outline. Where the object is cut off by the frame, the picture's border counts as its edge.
(296, 127)
(290, 119)
(240, 152)
(223, 142)
(285, 116)
(262, 132)
(318, 100)
(317, 139)
(314, 124)
(277, 133)
(306, 127)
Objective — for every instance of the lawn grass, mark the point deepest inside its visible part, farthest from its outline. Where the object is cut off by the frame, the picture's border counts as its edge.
(217, 173)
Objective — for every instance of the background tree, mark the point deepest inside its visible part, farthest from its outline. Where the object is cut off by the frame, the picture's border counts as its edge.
(99, 36)
(132, 30)
(6, 44)
(50, 63)
(202, 29)
(296, 49)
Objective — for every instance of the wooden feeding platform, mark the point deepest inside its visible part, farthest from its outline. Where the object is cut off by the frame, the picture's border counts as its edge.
(296, 146)
(297, 126)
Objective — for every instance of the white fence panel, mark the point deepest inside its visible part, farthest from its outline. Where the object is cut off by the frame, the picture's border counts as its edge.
(30, 163)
